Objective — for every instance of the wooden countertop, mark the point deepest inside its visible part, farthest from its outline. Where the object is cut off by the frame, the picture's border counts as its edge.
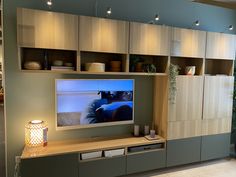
(88, 145)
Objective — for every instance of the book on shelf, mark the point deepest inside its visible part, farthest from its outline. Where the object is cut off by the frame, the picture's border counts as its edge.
(62, 68)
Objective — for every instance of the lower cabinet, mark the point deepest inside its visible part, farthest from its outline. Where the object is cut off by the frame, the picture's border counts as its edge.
(53, 166)
(215, 146)
(107, 167)
(183, 151)
(144, 161)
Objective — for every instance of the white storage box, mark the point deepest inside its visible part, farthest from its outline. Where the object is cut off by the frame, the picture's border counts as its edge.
(95, 67)
(91, 155)
(115, 152)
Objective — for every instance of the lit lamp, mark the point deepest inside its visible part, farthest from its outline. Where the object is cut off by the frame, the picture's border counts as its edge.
(36, 133)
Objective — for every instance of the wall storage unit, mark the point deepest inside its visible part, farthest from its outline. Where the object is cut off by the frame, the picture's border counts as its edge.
(220, 46)
(48, 30)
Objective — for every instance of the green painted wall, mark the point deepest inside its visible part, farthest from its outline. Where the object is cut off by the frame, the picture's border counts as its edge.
(31, 95)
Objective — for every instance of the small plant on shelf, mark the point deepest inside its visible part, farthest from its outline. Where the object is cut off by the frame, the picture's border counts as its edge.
(149, 68)
(173, 73)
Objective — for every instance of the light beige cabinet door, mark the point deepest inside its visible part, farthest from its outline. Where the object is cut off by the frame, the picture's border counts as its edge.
(43, 29)
(220, 46)
(147, 39)
(218, 97)
(188, 105)
(188, 43)
(103, 35)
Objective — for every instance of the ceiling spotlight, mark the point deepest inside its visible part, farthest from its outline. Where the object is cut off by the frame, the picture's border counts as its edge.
(231, 27)
(157, 17)
(108, 11)
(197, 23)
(49, 2)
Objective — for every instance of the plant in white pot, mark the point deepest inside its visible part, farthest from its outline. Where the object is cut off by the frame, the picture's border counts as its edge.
(172, 76)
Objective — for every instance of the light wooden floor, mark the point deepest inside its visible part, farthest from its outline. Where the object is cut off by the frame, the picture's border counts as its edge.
(219, 168)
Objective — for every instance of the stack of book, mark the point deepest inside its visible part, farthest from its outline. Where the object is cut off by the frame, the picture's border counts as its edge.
(62, 68)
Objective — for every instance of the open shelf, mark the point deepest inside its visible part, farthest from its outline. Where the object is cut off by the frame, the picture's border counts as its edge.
(105, 58)
(140, 64)
(46, 59)
(217, 66)
(183, 62)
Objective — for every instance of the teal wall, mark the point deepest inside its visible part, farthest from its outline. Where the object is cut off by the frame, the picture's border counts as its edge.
(31, 95)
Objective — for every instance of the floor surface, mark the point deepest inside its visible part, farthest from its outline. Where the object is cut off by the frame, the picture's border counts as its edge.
(219, 168)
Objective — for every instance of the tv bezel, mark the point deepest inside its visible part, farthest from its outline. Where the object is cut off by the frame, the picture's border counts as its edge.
(126, 122)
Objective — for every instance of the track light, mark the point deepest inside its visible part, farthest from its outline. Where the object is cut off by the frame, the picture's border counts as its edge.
(197, 23)
(49, 2)
(157, 18)
(108, 11)
(231, 27)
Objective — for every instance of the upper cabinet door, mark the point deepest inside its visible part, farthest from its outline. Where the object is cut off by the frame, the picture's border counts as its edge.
(188, 43)
(43, 29)
(218, 97)
(147, 39)
(188, 105)
(220, 46)
(103, 35)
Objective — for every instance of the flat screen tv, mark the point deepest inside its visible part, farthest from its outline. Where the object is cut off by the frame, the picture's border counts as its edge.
(83, 103)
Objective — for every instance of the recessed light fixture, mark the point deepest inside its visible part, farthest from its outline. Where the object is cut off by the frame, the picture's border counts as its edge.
(108, 11)
(157, 18)
(231, 27)
(49, 2)
(197, 23)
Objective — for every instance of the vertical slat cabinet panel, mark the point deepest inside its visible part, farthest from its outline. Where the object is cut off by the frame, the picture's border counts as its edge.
(220, 46)
(103, 35)
(43, 29)
(188, 105)
(218, 97)
(147, 39)
(188, 43)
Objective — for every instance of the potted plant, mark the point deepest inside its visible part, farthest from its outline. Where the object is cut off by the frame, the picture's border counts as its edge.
(172, 75)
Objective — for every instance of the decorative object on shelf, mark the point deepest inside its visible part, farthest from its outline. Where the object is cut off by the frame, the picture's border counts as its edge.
(146, 130)
(95, 67)
(36, 133)
(149, 68)
(173, 73)
(152, 133)
(68, 64)
(57, 63)
(190, 70)
(136, 130)
(62, 68)
(32, 65)
(115, 66)
(139, 67)
(155, 137)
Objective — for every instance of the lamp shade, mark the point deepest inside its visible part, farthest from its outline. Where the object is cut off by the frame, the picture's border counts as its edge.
(35, 133)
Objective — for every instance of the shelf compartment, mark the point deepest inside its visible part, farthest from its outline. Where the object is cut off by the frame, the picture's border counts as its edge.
(106, 58)
(138, 63)
(214, 67)
(38, 55)
(182, 62)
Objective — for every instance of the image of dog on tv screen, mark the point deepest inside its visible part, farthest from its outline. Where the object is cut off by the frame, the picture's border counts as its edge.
(98, 107)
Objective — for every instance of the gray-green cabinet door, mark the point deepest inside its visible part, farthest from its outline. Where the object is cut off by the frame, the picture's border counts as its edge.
(183, 151)
(145, 161)
(54, 166)
(109, 167)
(215, 146)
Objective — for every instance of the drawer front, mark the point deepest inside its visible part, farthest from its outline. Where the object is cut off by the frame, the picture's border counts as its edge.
(145, 161)
(108, 167)
(215, 146)
(54, 166)
(183, 151)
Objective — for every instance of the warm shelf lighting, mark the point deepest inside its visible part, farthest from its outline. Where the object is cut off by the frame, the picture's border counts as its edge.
(197, 23)
(36, 133)
(157, 18)
(108, 11)
(49, 2)
(231, 27)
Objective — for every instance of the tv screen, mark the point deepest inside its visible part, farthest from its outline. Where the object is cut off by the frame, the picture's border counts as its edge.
(82, 103)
